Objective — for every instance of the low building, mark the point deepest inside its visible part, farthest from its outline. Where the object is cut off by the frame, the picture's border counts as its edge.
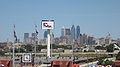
(61, 63)
(117, 64)
(68, 51)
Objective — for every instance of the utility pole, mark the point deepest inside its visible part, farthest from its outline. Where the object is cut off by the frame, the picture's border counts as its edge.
(73, 50)
(13, 54)
(36, 41)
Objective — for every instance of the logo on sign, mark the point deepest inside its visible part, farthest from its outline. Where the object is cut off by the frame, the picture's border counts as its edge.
(47, 25)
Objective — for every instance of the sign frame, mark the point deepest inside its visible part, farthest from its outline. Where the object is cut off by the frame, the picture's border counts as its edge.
(47, 24)
(27, 58)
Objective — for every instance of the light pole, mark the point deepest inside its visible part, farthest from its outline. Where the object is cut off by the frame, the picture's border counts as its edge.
(15, 40)
(13, 54)
(73, 49)
(51, 42)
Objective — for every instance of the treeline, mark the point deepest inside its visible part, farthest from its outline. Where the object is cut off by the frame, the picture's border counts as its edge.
(31, 48)
(109, 48)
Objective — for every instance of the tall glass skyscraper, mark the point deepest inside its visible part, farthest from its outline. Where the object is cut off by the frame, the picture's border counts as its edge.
(77, 31)
(73, 32)
(45, 34)
(63, 32)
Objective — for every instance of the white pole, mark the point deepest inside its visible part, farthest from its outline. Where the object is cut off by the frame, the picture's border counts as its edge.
(73, 50)
(35, 52)
(13, 54)
(48, 43)
(51, 42)
(36, 43)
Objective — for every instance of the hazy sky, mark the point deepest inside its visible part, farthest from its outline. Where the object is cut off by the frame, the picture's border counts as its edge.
(95, 17)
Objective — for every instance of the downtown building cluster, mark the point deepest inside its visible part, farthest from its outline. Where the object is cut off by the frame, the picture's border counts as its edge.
(69, 36)
(30, 39)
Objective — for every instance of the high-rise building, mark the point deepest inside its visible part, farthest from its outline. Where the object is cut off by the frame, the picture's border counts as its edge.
(26, 37)
(77, 31)
(67, 32)
(45, 34)
(52, 38)
(102, 41)
(63, 32)
(34, 38)
(33, 35)
(90, 40)
(68, 36)
(84, 39)
(73, 32)
(108, 39)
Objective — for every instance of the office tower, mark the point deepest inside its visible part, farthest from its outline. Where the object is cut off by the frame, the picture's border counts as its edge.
(45, 34)
(63, 32)
(67, 32)
(77, 31)
(33, 35)
(84, 39)
(108, 39)
(68, 36)
(102, 41)
(26, 37)
(34, 38)
(90, 40)
(52, 38)
(73, 32)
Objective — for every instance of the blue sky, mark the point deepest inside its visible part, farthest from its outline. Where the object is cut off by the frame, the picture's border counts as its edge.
(95, 17)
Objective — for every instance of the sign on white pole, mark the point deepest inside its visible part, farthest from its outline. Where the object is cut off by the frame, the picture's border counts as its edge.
(48, 24)
(27, 57)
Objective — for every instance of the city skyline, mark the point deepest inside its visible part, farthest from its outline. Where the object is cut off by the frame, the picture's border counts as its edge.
(94, 17)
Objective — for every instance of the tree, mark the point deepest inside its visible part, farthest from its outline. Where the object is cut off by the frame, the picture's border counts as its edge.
(118, 56)
(100, 47)
(61, 46)
(1, 47)
(100, 61)
(108, 62)
(110, 48)
(39, 47)
(28, 48)
(105, 63)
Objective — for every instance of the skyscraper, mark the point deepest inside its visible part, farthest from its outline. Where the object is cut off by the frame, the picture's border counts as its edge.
(67, 32)
(34, 35)
(63, 32)
(26, 37)
(77, 31)
(45, 34)
(73, 32)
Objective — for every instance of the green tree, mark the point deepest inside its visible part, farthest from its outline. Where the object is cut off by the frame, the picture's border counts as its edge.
(100, 61)
(22, 50)
(39, 47)
(28, 48)
(1, 47)
(118, 56)
(61, 46)
(110, 48)
(100, 47)
(16, 50)
(107, 62)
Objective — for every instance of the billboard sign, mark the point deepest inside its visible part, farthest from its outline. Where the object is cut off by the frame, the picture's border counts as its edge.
(27, 57)
(47, 24)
